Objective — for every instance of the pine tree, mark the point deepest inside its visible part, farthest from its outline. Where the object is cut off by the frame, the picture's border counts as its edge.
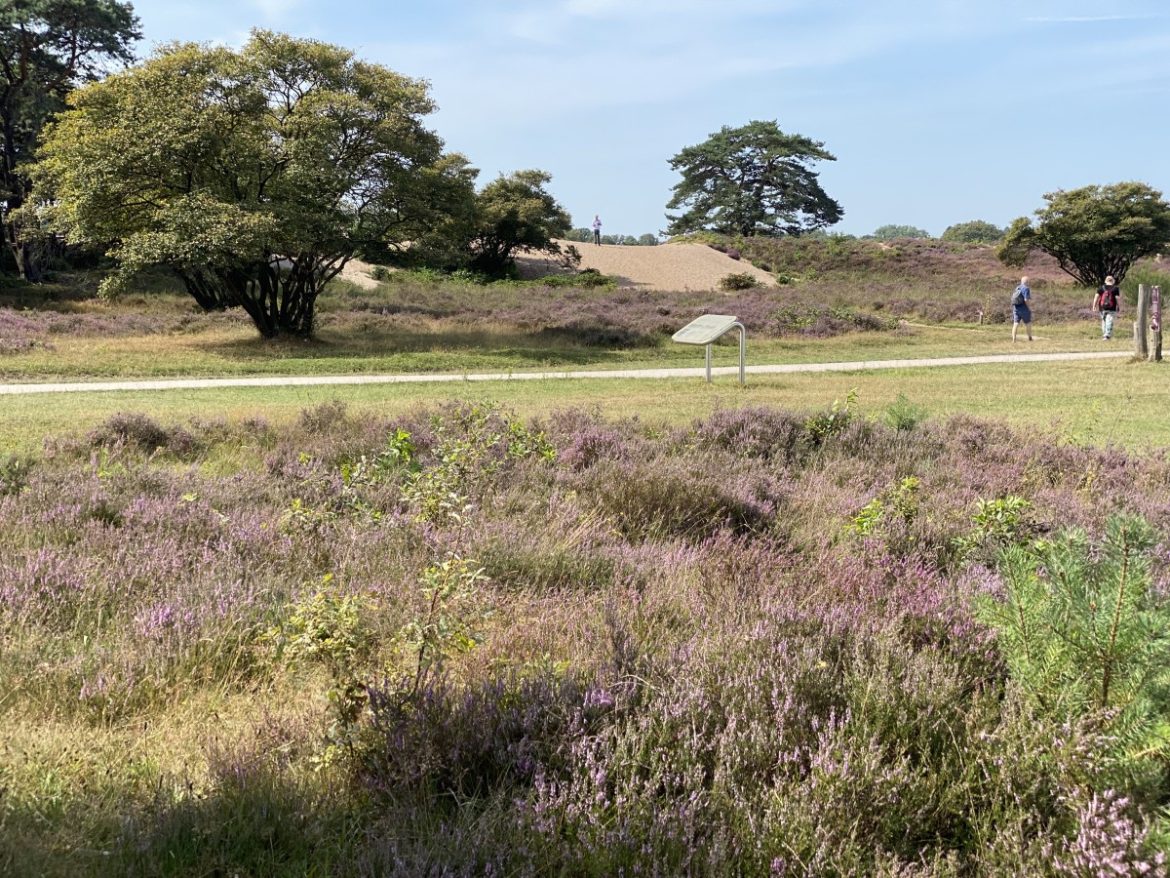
(1083, 634)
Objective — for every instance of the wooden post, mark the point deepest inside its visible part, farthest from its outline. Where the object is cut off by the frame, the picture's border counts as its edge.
(1156, 325)
(1139, 325)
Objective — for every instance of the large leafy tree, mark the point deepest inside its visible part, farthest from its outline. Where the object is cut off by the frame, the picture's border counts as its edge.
(515, 212)
(751, 180)
(47, 47)
(890, 232)
(254, 174)
(973, 232)
(1094, 231)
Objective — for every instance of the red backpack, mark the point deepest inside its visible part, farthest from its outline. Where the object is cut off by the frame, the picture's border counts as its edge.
(1107, 299)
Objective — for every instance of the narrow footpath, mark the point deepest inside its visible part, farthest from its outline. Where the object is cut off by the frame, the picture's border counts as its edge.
(313, 380)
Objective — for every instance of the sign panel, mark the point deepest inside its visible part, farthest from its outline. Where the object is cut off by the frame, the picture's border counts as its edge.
(1156, 310)
(705, 329)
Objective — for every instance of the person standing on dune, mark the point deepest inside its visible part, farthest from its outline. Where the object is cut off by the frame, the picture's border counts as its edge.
(597, 230)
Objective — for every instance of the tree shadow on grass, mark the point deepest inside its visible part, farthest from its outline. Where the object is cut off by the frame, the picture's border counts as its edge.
(257, 823)
(579, 344)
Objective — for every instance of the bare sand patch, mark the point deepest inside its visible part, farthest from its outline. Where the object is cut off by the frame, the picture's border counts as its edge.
(680, 267)
(358, 274)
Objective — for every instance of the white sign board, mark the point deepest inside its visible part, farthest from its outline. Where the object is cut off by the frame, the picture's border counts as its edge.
(705, 329)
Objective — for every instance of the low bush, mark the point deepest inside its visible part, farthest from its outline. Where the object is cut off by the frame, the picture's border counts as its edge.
(587, 278)
(740, 281)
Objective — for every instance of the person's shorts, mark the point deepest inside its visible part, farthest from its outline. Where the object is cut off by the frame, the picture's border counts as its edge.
(1021, 314)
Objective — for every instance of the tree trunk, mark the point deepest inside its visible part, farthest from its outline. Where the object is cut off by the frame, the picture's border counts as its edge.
(18, 189)
(278, 305)
(26, 262)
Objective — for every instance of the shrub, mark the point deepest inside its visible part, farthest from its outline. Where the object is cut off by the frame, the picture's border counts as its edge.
(823, 425)
(1151, 274)
(588, 278)
(740, 281)
(14, 473)
(1084, 635)
(668, 498)
(136, 430)
(904, 415)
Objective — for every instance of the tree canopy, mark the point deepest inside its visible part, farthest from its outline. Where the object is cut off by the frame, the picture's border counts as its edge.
(889, 232)
(973, 232)
(47, 47)
(515, 212)
(751, 180)
(254, 174)
(1093, 232)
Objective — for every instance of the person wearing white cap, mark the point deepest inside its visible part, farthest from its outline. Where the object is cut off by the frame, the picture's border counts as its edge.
(1021, 312)
(1106, 302)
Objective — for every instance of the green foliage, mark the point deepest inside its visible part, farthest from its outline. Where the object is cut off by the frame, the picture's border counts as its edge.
(1094, 231)
(1000, 519)
(751, 180)
(1152, 274)
(515, 213)
(590, 278)
(395, 459)
(738, 281)
(890, 232)
(14, 473)
(823, 425)
(264, 169)
(47, 47)
(904, 415)
(973, 232)
(1084, 635)
(900, 501)
(996, 524)
(330, 628)
(451, 619)
(467, 451)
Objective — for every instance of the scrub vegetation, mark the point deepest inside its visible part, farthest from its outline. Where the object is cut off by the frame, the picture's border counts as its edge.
(460, 642)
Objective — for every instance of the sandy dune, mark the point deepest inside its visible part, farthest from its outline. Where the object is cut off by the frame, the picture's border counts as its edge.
(665, 267)
(679, 267)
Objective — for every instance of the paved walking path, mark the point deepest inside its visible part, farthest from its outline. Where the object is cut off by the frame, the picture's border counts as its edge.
(316, 380)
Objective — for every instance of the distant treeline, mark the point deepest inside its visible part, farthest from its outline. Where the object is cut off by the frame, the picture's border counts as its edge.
(586, 236)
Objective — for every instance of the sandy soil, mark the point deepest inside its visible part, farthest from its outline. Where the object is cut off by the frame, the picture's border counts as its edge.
(665, 267)
(679, 267)
(358, 274)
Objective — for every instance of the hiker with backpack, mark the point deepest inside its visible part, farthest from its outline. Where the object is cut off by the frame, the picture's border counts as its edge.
(1106, 301)
(1021, 313)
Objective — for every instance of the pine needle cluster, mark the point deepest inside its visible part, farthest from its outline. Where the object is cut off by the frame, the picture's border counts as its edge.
(1083, 633)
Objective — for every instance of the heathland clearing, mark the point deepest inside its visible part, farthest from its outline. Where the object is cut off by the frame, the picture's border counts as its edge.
(357, 638)
(555, 626)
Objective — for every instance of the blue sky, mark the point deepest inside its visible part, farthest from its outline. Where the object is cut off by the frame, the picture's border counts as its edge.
(938, 111)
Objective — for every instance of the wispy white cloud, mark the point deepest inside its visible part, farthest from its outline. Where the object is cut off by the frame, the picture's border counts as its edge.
(275, 10)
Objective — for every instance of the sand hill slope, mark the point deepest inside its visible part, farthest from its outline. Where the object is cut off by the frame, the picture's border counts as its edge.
(665, 267)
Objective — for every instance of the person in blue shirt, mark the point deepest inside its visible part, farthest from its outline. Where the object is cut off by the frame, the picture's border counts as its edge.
(1021, 313)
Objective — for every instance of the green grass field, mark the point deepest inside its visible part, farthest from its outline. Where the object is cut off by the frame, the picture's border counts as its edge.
(1095, 402)
(235, 350)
